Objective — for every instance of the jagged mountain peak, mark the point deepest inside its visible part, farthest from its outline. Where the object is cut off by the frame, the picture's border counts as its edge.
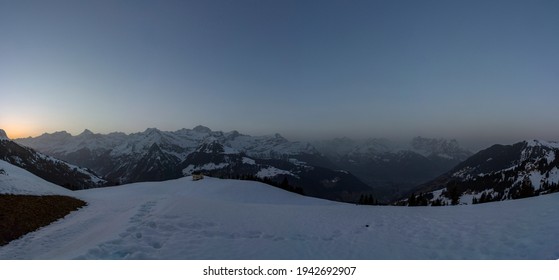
(542, 143)
(202, 129)
(86, 132)
(57, 134)
(439, 147)
(152, 130)
(152, 135)
(3, 135)
(232, 135)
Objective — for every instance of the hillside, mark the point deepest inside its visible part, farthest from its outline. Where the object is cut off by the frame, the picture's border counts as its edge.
(229, 219)
(50, 169)
(28, 203)
(500, 172)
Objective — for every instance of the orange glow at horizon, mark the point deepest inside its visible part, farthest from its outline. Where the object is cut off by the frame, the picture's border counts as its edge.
(15, 131)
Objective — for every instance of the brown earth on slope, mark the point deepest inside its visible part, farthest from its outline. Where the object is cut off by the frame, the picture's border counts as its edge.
(21, 214)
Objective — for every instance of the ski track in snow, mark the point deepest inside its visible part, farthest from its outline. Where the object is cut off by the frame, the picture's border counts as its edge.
(226, 219)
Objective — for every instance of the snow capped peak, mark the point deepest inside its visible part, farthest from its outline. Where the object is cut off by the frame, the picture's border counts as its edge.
(202, 129)
(86, 132)
(152, 130)
(179, 143)
(232, 135)
(542, 143)
(56, 135)
(439, 147)
(3, 135)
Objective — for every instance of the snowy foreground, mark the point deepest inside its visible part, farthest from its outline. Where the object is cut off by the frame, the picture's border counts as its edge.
(226, 219)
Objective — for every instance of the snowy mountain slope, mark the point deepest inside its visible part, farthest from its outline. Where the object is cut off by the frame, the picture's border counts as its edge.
(3, 135)
(15, 180)
(155, 155)
(178, 143)
(215, 159)
(393, 168)
(228, 219)
(119, 157)
(500, 172)
(49, 168)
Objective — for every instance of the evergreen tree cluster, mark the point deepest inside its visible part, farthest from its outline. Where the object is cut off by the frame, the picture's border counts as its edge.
(486, 197)
(423, 199)
(526, 190)
(547, 188)
(368, 199)
(418, 200)
(438, 202)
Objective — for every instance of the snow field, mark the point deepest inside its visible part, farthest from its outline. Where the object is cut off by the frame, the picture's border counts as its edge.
(20, 181)
(228, 219)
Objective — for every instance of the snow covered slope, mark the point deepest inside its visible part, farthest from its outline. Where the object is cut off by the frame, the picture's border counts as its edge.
(121, 158)
(229, 219)
(178, 143)
(49, 168)
(15, 180)
(500, 172)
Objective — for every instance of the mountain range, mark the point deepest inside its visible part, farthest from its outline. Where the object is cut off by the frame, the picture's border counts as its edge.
(340, 169)
(155, 155)
(500, 172)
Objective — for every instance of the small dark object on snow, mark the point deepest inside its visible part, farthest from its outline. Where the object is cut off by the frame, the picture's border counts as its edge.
(197, 176)
(366, 225)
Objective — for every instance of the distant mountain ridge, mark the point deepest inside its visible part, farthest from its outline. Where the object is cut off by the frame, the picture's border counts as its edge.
(390, 168)
(155, 155)
(500, 172)
(376, 147)
(339, 169)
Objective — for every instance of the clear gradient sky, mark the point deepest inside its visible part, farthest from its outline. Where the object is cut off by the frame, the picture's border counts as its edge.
(485, 71)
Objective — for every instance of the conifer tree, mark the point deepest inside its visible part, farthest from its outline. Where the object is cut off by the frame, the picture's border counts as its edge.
(454, 195)
(411, 200)
(285, 183)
